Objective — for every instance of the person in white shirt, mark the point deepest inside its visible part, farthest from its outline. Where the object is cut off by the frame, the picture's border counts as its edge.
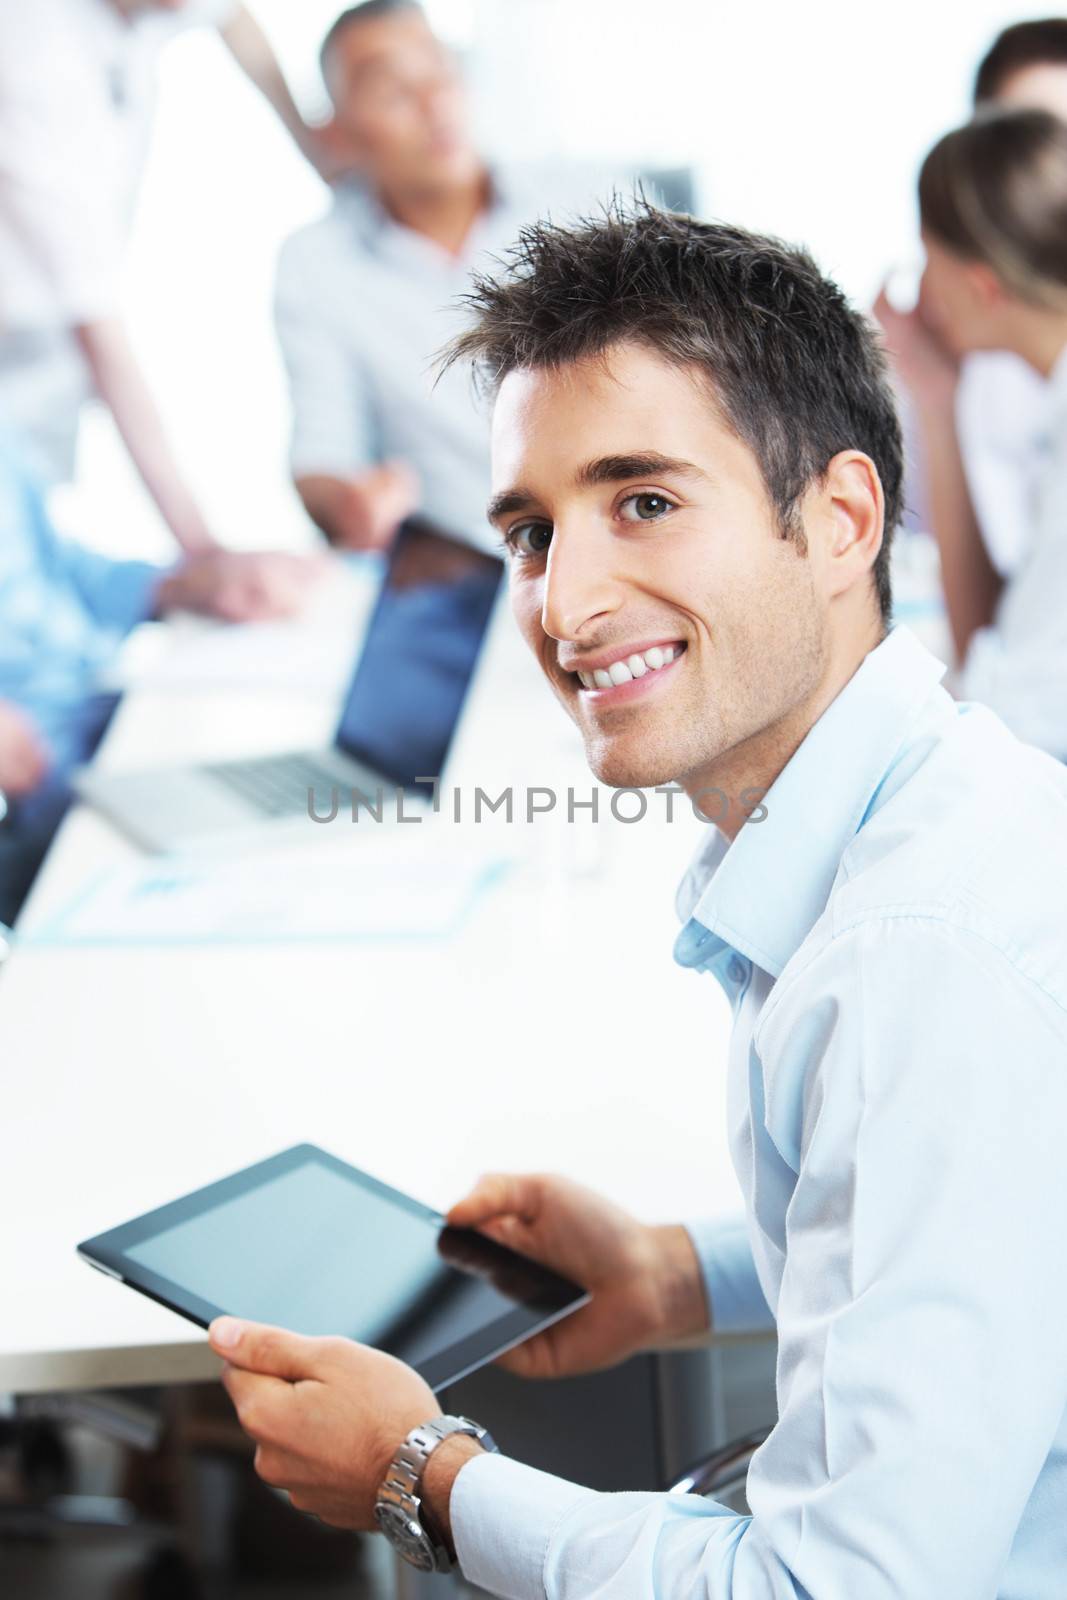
(1000, 400)
(696, 474)
(77, 93)
(369, 294)
(993, 204)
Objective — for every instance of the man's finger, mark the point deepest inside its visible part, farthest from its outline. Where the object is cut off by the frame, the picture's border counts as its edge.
(498, 1194)
(256, 1347)
(260, 1402)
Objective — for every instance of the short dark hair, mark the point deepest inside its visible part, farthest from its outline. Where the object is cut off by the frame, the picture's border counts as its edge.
(798, 373)
(366, 11)
(1025, 44)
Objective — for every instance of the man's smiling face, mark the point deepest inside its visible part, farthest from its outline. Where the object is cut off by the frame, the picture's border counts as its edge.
(648, 570)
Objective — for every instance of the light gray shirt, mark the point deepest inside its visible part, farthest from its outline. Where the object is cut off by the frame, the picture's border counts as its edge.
(363, 307)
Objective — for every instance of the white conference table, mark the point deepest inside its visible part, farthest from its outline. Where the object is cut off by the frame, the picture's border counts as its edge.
(551, 1031)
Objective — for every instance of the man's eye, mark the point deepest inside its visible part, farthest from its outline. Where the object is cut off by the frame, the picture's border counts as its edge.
(645, 507)
(530, 538)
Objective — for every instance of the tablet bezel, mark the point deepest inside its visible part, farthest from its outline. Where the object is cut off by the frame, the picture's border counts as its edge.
(108, 1252)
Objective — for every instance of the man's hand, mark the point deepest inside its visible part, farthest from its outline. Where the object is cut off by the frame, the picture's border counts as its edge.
(928, 370)
(646, 1282)
(238, 586)
(23, 754)
(326, 1415)
(364, 512)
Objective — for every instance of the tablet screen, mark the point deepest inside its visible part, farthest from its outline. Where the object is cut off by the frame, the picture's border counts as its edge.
(307, 1243)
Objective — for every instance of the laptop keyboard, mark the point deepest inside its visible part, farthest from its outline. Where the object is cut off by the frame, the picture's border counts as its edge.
(277, 786)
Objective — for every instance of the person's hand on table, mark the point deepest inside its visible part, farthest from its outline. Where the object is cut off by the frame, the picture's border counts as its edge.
(241, 586)
(365, 511)
(326, 1415)
(24, 757)
(645, 1281)
(927, 368)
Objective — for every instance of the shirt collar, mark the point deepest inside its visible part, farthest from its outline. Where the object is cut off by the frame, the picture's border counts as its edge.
(378, 231)
(762, 894)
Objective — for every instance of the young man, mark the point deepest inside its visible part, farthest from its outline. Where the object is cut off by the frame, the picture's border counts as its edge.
(64, 611)
(1026, 66)
(77, 97)
(366, 297)
(696, 473)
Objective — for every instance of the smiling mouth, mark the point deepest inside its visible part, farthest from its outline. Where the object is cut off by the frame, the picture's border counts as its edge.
(629, 668)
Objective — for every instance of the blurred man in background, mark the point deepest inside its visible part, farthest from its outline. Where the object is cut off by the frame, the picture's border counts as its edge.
(64, 611)
(77, 95)
(1026, 66)
(993, 204)
(1000, 401)
(367, 295)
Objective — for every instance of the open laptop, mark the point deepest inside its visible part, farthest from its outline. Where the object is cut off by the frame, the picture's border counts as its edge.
(404, 702)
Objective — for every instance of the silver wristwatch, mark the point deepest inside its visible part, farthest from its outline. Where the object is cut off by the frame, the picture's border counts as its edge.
(399, 1510)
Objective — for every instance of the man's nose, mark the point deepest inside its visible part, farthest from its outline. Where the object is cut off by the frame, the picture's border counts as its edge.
(580, 585)
(438, 100)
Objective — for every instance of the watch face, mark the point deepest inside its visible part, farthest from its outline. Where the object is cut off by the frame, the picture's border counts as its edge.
(406, 1535)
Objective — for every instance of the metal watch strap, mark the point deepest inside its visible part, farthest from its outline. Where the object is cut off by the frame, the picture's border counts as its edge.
(403, 1481)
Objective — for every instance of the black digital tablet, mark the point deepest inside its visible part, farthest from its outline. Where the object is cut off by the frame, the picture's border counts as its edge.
(308, 1243)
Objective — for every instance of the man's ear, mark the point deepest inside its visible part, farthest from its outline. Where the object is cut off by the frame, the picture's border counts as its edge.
(853, 505)
(986, 287)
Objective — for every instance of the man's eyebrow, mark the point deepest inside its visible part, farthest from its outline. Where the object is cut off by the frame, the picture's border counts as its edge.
(645, 464)
(508, 502)
(605, 469)
(373, 65)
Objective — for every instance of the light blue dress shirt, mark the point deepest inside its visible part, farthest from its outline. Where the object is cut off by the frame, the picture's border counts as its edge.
(893, 940)
(63, 612)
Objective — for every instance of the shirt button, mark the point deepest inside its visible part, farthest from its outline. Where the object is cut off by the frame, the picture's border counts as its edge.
(737, 971)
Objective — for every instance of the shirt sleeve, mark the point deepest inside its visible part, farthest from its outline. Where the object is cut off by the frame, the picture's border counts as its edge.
(334, 429)
(117, 594)
(920, 1320)
(737, 1301)
(62, 238)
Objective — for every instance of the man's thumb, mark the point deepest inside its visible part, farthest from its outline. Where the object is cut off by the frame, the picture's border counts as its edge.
(255, 1347)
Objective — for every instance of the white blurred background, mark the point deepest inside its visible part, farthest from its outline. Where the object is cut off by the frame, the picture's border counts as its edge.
(805, 120)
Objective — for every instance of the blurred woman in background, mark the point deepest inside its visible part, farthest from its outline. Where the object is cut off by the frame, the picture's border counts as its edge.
(77, 99)
(993, 207)
(1000, 401)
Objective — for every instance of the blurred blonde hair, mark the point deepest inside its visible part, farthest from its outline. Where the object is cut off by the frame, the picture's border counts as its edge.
(995, 190)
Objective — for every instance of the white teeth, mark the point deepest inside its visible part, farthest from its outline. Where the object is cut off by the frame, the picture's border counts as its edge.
(634, 666)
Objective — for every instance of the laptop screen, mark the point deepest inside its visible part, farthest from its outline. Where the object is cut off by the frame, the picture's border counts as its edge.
(419, 654)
